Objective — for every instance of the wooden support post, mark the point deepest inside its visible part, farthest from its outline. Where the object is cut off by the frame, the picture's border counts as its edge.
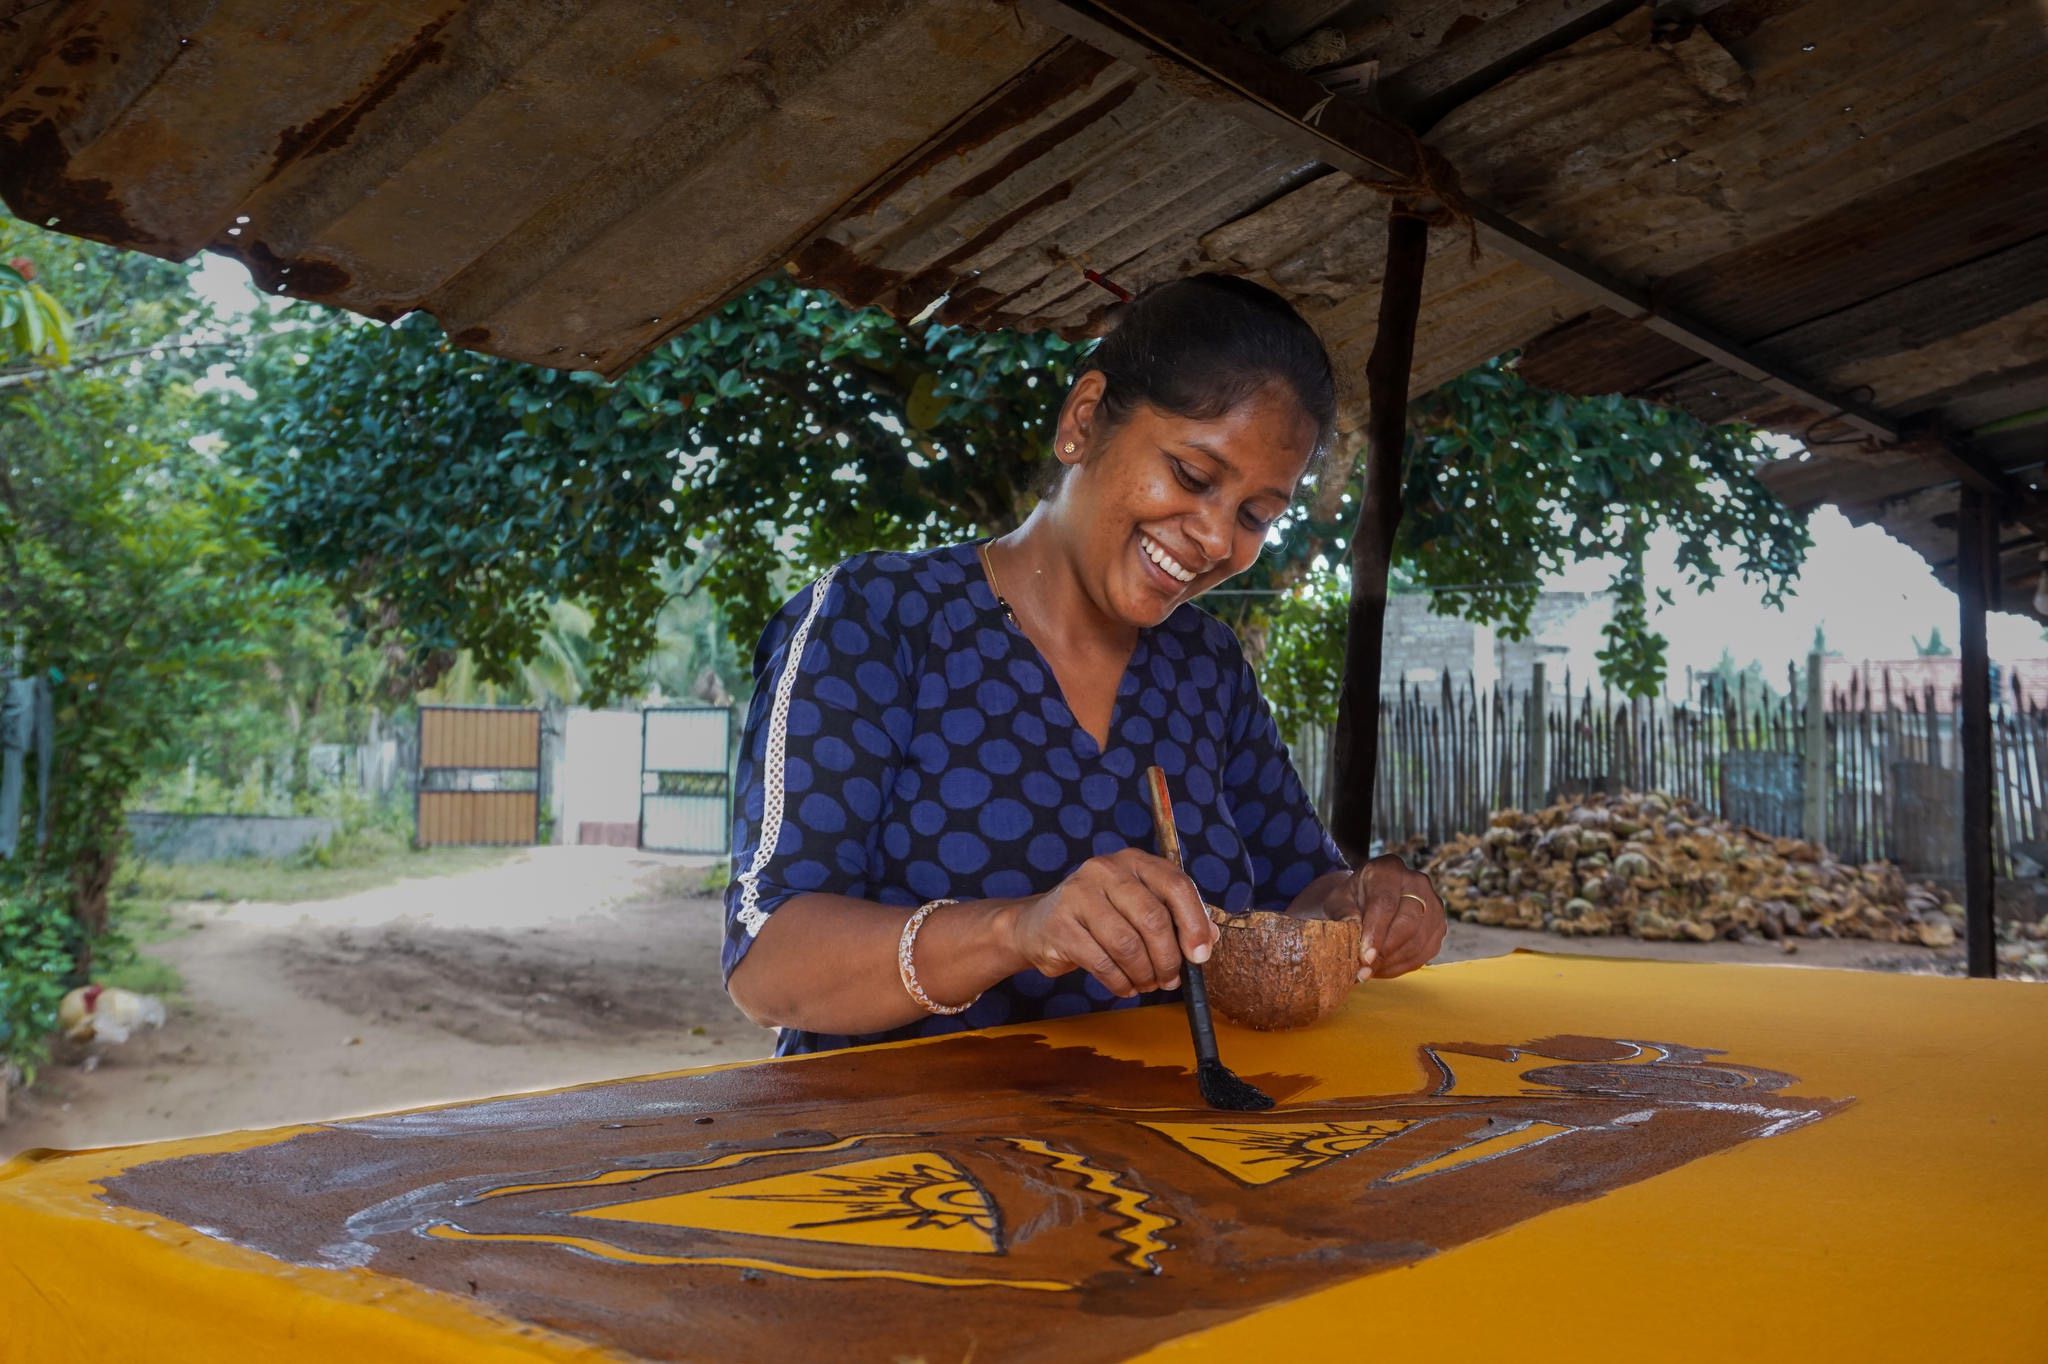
(1372, 541)
(1813, 774)
(1976, 560)
(1539, 736)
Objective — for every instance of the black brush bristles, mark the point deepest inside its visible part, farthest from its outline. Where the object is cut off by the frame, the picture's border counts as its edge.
(1220, 1086)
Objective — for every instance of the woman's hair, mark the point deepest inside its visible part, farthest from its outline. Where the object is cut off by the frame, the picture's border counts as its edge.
(1199, 346)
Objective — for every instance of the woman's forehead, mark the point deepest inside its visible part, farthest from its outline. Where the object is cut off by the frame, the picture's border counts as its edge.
(1265, 440)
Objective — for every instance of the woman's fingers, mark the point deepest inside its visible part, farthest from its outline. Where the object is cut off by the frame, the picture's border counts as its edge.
(1128, 918)
(1084, 947)
(1146, 915)
(1405, 919)
(1417, 951)
(1376, 917)
(1412, 940)
(1194, 932)
(1094, 958)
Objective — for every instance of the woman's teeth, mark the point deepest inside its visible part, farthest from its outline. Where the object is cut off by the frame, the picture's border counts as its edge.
(1164, 560)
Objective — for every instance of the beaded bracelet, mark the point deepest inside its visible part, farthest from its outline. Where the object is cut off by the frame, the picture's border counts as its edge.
(908, 973)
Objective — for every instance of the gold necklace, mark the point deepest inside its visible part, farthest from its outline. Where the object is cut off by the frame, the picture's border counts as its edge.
(988, 566)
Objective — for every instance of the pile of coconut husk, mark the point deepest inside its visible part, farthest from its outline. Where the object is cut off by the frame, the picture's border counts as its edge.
(1652, 867)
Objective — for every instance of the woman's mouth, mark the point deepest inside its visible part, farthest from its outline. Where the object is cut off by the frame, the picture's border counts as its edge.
(1172, 570)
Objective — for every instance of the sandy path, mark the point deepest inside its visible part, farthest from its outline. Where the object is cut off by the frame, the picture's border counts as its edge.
(562, 966)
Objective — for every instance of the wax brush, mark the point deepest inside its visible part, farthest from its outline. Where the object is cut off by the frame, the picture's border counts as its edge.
(1221, 1088)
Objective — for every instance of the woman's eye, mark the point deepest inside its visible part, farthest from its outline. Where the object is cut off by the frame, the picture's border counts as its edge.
(1257, 523)
(1188, 478)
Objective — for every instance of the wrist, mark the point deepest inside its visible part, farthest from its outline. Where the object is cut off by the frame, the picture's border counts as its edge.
(1004, 919)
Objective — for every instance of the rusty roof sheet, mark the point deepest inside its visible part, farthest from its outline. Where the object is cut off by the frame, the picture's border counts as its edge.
(1852, 188)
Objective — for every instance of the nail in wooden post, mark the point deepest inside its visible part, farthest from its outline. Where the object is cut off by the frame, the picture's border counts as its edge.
(1372, 542)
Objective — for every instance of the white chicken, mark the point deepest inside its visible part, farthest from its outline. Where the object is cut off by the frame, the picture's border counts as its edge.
(96, 1016)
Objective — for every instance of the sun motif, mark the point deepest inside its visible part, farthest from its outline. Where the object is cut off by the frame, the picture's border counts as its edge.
(1259, 1153)
(921, 1195)
(1307, 1147)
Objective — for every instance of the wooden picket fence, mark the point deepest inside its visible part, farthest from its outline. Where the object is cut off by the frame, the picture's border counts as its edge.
(1890, 758)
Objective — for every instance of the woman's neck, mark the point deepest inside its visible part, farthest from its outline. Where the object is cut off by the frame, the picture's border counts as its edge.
(1042, 581)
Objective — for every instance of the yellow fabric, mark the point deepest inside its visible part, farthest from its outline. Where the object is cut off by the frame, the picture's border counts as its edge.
(1900, 1227)
(1904, 1227)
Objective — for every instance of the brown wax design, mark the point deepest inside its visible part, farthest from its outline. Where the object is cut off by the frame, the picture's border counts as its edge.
(974, 1195)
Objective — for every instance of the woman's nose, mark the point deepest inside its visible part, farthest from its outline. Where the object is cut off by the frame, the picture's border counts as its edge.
(1210, 530)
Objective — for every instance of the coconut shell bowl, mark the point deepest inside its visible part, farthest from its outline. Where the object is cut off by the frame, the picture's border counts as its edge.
(1271, 971)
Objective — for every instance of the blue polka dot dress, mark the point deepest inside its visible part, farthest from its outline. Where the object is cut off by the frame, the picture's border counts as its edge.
(907, 742)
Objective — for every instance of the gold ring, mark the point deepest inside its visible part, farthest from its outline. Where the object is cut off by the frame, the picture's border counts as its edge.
(1416, 898)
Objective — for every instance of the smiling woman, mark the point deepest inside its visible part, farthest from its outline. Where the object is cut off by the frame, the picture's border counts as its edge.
(941, 821)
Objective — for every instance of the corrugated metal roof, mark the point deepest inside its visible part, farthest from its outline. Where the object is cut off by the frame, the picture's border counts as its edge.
(1854, 188)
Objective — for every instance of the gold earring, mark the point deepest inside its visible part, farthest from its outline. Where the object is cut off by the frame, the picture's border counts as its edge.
(1069, 447)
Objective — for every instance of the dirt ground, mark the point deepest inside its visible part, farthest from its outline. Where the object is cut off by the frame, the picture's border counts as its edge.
(560, 966)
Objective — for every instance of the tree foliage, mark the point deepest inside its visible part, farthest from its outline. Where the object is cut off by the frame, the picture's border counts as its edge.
(1505, 484)
(451, 499)
(34, 328)
(129, 576)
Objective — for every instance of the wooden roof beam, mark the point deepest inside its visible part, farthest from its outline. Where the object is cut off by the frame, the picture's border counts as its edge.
(1193, 53)
(1190, 52)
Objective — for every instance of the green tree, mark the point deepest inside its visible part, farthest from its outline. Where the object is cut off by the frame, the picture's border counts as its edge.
(37, 941)
(1302, 672)
(129, 575)
(1506, 483)
(35, 330)
(450, 499)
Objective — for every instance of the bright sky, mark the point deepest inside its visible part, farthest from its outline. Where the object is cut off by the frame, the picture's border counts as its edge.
(1871, 593)
(225, 283)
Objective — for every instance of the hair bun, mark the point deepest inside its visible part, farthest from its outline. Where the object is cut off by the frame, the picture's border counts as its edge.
(1200, 345)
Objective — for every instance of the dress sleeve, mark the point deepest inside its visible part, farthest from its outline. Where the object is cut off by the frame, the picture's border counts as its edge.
(819, 752)
(1285, 838)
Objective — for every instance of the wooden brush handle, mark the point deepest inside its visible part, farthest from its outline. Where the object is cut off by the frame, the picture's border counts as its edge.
(1163, 831)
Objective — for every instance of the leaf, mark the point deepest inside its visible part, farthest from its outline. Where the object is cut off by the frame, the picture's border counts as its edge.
(926, 407)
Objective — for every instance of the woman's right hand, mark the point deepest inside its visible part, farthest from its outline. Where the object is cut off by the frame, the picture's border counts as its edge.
(1127, 918)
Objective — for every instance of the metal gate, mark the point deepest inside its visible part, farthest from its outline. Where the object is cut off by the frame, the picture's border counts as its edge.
(479, 775)
(686, 779)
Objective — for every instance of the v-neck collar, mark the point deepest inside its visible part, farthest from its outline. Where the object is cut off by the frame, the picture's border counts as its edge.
(1127, 682)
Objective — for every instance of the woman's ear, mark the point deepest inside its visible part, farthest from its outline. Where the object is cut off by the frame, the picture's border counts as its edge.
(1080, 417)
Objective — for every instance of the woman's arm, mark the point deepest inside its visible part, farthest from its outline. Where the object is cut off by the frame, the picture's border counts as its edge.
(827, 963)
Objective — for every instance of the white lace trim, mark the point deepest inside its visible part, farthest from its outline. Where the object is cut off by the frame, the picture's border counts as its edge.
(774, 761)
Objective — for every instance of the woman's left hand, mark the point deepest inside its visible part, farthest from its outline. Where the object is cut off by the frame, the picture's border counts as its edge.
(1403, 918)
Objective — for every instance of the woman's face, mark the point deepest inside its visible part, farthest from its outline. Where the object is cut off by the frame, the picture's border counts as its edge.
(1162, 508)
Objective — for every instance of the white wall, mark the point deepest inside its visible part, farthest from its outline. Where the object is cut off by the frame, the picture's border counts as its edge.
(599, 775)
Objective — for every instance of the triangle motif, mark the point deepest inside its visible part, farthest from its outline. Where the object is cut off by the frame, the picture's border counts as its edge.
(917, 1200)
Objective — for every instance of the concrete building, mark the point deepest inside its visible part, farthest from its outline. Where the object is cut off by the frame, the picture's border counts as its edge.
(1424, 645)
